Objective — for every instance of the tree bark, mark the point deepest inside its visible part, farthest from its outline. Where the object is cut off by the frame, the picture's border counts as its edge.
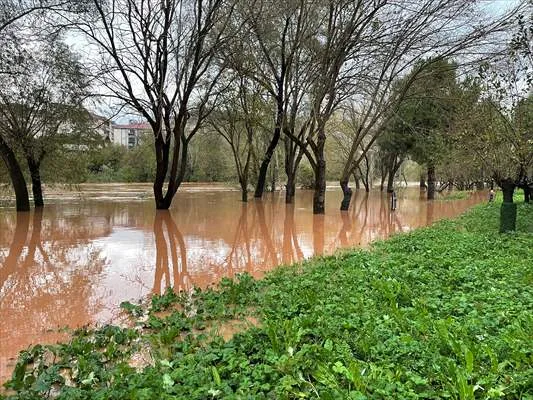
(290, 188)
(390, 182)
(36, 182)
(394, 167)
(431, 182)
(383, 177)
(508, 187)
(422, 182)
(528, 188)
(508, 208)
(347, 195)
(319, 197)
(162, 150)
(261, 180)
(274, 176)
(244, 191)
(17, 177)
(366, 179)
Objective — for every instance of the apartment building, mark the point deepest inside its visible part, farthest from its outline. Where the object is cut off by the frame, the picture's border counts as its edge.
(128, 135)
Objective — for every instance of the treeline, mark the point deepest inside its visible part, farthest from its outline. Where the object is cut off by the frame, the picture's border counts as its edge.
(347, 90)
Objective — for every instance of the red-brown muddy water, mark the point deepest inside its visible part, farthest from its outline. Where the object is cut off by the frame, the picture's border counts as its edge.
(74, 262)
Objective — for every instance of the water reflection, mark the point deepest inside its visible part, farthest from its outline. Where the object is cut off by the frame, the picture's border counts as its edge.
(44, 285)
(171, 255)
(291, 248)
(74, 262)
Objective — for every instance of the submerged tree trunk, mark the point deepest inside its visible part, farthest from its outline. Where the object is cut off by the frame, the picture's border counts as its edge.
(36, 183)
(347, 195)
(423, 182)
(244, 191)
(431, 182)
(382, 183)
(176, 169)
(162, 150)
(17, 177)
(290, 188)
(390, 182)
(392, 167)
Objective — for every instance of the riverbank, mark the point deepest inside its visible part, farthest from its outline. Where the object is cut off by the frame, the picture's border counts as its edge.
(442, 312)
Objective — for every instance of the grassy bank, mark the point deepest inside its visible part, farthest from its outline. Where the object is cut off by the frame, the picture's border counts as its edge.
(442, 312)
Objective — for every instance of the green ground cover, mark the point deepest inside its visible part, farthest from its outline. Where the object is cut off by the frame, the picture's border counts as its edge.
(444, 312)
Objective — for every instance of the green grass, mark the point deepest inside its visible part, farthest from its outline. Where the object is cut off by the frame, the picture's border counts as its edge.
(444, 312)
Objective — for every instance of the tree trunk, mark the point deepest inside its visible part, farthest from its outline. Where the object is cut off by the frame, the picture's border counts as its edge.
(508, 187)
(290, 188)
(162, 150)
(508, 208)
(422, 182)
(319, 197)
(392, 168)
(244, 192)
(390, 183)
(366, 176)
(431, 182)
(274, 172)
(17, 177)
(36, 183)
(261, 180)
(347, 195)
(366, 179)
(383, 177)
(357, 182)
(528, 188)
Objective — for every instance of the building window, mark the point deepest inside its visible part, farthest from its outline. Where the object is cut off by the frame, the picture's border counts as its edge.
(132, 138)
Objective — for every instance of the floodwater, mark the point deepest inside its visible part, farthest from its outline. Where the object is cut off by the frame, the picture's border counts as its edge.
(74, 262)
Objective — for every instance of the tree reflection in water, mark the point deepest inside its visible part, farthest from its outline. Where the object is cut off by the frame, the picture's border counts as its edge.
(291, 248)
(169, 240)
(44, 286)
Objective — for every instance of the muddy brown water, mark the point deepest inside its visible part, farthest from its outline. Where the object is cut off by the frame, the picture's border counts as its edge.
(74, 262)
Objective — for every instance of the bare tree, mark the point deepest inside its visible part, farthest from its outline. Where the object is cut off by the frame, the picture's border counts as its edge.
(278, 30)
(158, 58)
(238, 120)
(13, 11)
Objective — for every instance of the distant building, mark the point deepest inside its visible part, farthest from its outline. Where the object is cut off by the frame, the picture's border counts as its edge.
(103, 126)
(129, 134)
